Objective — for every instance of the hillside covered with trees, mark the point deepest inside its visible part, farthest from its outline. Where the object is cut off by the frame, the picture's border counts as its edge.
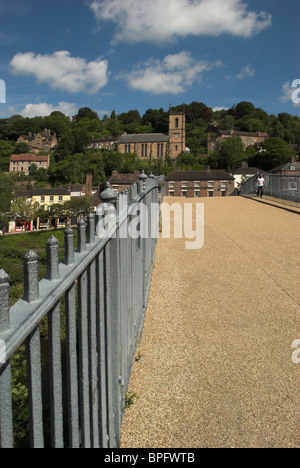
(71, 160)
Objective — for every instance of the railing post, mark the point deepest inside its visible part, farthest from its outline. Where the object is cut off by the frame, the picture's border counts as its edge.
(4, 301)
(81, 239)
(52, 259)
(91, 229)
(6, 424)
(69, 246)
(112, 323)
(31, 276)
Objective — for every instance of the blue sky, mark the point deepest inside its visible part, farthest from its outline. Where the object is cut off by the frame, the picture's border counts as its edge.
(139, 54)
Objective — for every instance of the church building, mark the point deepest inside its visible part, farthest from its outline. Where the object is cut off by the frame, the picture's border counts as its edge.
(155, 145)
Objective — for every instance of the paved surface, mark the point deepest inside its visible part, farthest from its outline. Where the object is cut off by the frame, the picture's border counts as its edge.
(289, 205)
(214, 364)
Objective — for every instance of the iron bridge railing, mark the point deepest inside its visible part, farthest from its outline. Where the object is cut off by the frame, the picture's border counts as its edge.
(277, 185)
(104, 285)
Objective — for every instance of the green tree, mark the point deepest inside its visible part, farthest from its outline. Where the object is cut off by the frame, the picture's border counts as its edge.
(271, 153)
(5, 193)
(6, 149)
(70, 169)
(230, 153)
(58, 123)
(78, 206)
(21, 148)
(22, 208)
(86, 112)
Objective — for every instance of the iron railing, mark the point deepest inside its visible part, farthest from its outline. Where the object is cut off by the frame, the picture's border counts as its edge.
(104, 287)
(283, 186)
(277, 185)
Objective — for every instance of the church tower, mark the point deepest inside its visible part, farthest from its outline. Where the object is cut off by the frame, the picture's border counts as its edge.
(176, 133)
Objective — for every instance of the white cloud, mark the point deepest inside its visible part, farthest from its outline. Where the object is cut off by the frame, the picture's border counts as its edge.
(219, 108)
(166, 20)
(174, 74)
(43, 109)
(61, 71)
(246, 72)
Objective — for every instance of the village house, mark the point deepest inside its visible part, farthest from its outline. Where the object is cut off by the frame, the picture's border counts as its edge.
(290, 168)
(195, 184)
(39, 141)
(40, 199)
(248, 138)
(22, 163)
(155, 145)
(241, 174)
(119, 182)
(108, 143)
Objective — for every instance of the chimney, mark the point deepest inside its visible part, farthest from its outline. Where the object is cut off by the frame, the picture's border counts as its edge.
(207, 168)
(293, 159)
(244, 164)
(88, 185)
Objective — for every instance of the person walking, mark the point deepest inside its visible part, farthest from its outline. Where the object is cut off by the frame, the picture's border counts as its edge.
(260, 185)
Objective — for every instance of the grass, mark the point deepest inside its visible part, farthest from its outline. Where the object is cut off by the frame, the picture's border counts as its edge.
(14, 247)
(129, 399)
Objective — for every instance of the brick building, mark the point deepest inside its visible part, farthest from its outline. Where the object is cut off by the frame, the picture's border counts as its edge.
(195, 184)
(108, 143)
(120, 182)
(290, 168)
(39, 141)
(22, 163)
(248, 138)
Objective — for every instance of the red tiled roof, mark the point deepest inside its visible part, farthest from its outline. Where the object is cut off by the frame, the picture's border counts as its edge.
(28, 157)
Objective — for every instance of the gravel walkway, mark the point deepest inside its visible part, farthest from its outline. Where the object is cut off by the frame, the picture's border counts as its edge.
(215, 360)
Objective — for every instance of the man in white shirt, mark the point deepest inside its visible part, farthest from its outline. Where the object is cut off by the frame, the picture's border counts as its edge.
(260, 185)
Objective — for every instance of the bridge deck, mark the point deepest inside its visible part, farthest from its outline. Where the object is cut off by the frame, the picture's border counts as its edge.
(214, 366)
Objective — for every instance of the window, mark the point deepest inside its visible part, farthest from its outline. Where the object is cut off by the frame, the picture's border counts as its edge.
(160, 149)
(184, 184)
(197, 184)
(183, 193)
(197, 193)
(223, 183)
(171, 193)
(176, 122)
(292, 185)
(210, 193)
(60, 198)
(51, 198)
(210, 183)
(223, 193)
(171, 185)
(42, 199)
